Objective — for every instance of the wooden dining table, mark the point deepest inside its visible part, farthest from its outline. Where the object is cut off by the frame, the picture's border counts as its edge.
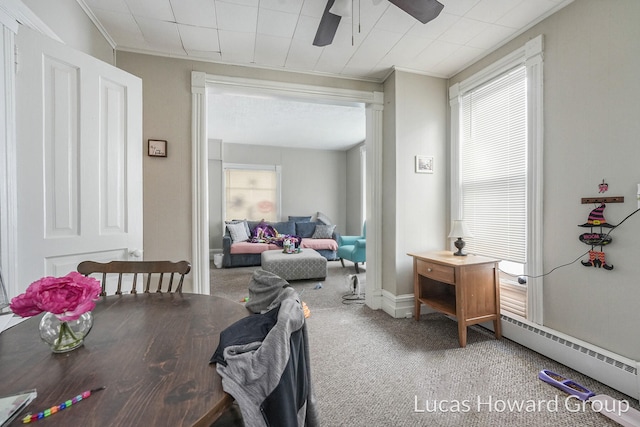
(150, 351)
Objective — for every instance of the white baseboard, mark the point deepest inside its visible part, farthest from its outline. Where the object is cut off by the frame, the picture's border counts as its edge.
(614, 370)
(609, 368)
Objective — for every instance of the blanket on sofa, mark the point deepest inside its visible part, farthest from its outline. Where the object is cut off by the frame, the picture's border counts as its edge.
(266, 233)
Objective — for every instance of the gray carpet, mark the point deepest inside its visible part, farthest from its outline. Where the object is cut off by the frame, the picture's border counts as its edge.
(369, 369)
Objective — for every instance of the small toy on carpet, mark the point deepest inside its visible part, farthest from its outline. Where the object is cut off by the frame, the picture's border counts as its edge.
(617, 410)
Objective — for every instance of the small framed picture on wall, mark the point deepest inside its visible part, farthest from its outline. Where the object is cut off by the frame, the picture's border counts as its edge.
(157, 148)
(424, 164)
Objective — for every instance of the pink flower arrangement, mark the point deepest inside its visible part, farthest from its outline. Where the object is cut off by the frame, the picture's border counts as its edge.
(67, 297)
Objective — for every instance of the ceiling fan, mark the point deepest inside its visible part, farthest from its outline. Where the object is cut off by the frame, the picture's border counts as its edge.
(423, 10)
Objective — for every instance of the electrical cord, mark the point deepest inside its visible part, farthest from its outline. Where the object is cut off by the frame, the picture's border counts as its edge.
(575, 260)
(353, 298)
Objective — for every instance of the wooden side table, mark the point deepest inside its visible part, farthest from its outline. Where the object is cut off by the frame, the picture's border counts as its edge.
(462, 286)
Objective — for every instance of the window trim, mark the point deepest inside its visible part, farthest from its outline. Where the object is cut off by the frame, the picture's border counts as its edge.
(247, 166)
(531, 55)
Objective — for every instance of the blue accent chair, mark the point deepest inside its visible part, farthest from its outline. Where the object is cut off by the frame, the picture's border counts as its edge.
(353, 248)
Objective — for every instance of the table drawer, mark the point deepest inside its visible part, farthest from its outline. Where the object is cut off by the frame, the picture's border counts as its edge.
(434, 271)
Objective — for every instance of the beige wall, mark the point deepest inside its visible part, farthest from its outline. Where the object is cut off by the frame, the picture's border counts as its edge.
(415, 117)
(353, 198)
(591, 110)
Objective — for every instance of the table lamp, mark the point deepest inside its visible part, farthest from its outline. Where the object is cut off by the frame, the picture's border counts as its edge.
(459, 229)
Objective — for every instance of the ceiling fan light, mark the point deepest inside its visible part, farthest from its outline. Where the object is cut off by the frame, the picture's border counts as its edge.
(341, 8)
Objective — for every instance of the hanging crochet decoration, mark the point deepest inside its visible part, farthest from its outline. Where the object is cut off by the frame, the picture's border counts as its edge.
(596, 238)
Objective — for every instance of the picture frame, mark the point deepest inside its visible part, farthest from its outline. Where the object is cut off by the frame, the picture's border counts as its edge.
(424, 164)
(157, 148)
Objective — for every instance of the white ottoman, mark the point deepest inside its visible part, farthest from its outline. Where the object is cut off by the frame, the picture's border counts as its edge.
(307, 264)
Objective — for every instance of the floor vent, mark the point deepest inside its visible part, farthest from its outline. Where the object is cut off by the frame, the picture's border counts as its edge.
(613, 370)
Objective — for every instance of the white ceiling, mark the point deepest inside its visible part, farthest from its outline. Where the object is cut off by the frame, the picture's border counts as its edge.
(263, 120)
(278, 34)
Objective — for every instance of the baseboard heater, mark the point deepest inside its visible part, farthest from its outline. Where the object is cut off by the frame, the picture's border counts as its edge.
(616, 371)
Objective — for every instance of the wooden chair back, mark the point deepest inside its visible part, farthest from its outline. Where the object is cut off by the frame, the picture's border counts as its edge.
(151, 268)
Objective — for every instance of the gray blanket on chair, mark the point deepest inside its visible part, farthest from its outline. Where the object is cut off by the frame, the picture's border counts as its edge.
(266, 291)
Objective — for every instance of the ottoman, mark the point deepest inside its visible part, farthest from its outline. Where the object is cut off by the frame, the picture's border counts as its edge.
(307, 264)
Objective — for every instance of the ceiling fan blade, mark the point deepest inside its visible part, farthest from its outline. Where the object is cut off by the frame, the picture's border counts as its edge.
(328, 27)
(423, 10)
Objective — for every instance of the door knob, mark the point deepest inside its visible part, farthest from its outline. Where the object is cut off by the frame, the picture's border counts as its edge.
(136, 253)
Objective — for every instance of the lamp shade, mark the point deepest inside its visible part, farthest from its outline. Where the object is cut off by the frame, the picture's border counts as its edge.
(459, 229)
(341, 8)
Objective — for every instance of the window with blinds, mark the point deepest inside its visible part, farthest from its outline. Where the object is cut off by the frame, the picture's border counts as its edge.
(493, 166)
(497, 144)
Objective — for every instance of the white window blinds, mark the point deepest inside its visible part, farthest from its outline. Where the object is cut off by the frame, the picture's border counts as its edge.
(493, 166)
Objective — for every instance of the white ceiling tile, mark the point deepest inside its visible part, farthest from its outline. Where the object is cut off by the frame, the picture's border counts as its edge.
(236, 47)
(408, 48)
(200, 13)
(234, 17)
(395, 20)
(490, 10)
(289, 6)
(271, 51)
(433, 29)
(198, 38)
(313, 8)
(374, 47)
(306, 29)
(438, 51)
(463, 31)
(491, 37)
(525, 13)
(459, 7)
(160, 34)
(152, 9)
(111, 5)
(274, 23)
(149, 25)
(464, 56)
(333, 59)
(253, 3)
(369, 16)
(124, 29)
(303, 55)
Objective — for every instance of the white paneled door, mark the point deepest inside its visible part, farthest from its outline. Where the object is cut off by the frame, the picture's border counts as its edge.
(79, 157)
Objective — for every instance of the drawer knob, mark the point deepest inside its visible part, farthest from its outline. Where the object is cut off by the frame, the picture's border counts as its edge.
(429, 270)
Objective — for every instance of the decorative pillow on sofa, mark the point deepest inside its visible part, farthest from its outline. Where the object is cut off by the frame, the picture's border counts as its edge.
(305, 229)
(323, 219)
(243, 221)
(323, 231)
(285, 227)
(299, 218)
(238, 232)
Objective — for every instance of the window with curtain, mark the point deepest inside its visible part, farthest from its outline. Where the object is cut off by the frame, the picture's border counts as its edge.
(496, 151)
(252, 192)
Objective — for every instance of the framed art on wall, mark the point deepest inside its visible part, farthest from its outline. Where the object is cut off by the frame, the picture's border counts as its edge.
(157, 148)
(424, 164)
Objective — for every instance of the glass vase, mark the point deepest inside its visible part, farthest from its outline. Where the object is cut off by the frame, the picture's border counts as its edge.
(65, 336)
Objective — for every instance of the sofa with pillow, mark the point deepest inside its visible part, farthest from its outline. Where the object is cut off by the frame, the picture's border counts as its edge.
(243, 241)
